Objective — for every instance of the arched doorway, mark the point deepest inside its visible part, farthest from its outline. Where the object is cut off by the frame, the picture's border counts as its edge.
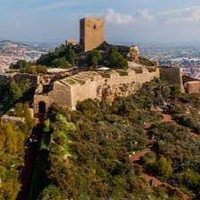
(42, 107)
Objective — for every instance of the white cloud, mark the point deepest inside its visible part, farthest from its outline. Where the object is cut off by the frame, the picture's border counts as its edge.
(145, 14)
(175, 11)
(183, 15)
(55, 5)
(196, 14)
(115, 17)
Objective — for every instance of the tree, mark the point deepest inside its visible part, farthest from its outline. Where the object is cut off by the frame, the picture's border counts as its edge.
(51, 192)
(94, 58)
(63, 56)
(191, 179)
(19, 65)
(70, 54)
(16, 90)
(36, 69)
(60, 63)
(164, 167)
(116, 60)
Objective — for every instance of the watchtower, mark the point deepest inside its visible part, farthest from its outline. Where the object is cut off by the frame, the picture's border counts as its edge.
(91, 32)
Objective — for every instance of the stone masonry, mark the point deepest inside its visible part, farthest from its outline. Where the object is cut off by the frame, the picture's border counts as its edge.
(95, 85)
(91, 33)
(193, 87)
(172, 75)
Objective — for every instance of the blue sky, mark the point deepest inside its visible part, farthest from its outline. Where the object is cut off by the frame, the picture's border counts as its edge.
(136, 21)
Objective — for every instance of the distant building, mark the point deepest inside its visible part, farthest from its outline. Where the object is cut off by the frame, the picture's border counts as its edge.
(91, 33)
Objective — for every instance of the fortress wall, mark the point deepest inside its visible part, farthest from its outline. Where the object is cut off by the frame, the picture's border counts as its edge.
(41, 98)
(117, 85)
(172, 75)
(110, 88)
(61, 95)
(117, 79)
(146, 76)
(68, 94)
(33, 80)
(83, 92)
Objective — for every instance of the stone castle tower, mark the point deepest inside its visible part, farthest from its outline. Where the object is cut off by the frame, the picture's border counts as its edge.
(91, 32)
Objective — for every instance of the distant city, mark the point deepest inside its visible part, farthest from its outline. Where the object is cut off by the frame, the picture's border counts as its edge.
(11, 52)
(186, 57)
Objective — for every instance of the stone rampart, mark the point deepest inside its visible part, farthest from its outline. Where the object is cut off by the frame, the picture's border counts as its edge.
(123, 85)
(32, 80)
(68, 92)
(18, 77)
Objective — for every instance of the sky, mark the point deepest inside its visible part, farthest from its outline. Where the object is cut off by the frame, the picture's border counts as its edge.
(131, 21)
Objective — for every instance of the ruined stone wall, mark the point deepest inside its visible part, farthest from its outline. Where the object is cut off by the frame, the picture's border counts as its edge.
(61, 94)
(91, 33)
(134, 53)
(118, 85)
(109, 88)
(41, 98)
(193, 87)
(67, 93)
(32, 80)
(18, 77)
(84, 91)
(172, 75)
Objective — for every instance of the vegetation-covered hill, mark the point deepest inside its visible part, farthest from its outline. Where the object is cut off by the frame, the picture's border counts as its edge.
(68, 55)
(92, 148)
(145, 146)
(12, 152)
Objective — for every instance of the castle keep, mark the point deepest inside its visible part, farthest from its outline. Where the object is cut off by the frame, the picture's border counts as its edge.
(91, 33)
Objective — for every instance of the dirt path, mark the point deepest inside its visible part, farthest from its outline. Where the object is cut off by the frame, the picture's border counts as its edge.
(153, 181)
(136, 157)
(167, 118)
(156, 182)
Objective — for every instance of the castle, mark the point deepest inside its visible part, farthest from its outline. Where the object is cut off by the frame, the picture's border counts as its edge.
(67, 88)
(106, 84)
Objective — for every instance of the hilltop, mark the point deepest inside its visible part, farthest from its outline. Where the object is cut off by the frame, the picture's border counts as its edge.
(106, 123)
